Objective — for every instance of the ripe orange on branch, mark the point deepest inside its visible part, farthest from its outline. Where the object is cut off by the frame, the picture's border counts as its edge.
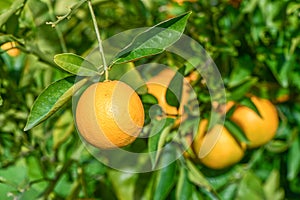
(10, 48)
(109, 114)
(217, 148)
(258, 129)
(158, 85)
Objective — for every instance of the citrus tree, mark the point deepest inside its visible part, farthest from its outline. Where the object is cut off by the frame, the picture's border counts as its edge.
(149, 99)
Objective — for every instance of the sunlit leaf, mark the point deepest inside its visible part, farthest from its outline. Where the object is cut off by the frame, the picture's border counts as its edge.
(76, 65)
(196, 177)
(51, 99)
(272, 188)
(250, 188)
(158, 134)
(154, 40)
(17, 4)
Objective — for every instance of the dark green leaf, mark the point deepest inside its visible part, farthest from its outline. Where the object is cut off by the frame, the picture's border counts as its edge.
(238, 92)
(154, 40)
(51, 99)
(165, 177)
(1, 101)
(184, 187)
(12, 24)
(248, 103)
(149, 99)
(76, 65)
(17, 4)
(293, 160)
(236, 131)
(175, 87)
(158, 134)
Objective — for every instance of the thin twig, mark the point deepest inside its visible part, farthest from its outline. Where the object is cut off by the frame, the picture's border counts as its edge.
(57, 29)
(68, 15)
(98, 39)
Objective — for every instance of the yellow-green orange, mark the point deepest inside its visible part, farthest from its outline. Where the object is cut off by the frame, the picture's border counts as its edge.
(109, 114)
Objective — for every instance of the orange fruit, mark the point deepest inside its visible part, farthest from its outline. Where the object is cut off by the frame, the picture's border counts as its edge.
(157, 86)
(10, 48)
(109, 114)
(258, 130)
(217, 148)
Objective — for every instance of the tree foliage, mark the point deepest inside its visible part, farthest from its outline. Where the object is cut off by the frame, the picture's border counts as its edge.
(253, 43)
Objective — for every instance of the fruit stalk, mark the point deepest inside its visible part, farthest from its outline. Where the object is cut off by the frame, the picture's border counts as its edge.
(98, 38)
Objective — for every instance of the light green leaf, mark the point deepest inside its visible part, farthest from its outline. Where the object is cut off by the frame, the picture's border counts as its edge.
(62, 129)
(250, 188)
(123, 183)
(165, 177)
(76, 65)
(158, 134)
(196, 177)
(154, 40)
(272, 186)
(17, 4)
(1, 101)
(51, 99)
(184, 188)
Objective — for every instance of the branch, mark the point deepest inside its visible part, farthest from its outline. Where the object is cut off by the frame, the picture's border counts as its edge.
(68, 15)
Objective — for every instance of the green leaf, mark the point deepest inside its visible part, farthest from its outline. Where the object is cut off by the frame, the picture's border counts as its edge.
(127, 73)
(76, 65)
(248, 103)
(272, 188)
(238, 92)
(1, 101)
(17, 4)
(250, 188)
(277, 146)
(62, 129)
(158, 134)
(236, 131)
(165, 177)
(123, 183)
(184, 188)
(293, 160)
(196, 177)
(154, 40)
(175, 87)
(51, 99)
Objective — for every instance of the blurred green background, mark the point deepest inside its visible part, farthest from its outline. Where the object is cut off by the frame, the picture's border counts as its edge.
(254, 43)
